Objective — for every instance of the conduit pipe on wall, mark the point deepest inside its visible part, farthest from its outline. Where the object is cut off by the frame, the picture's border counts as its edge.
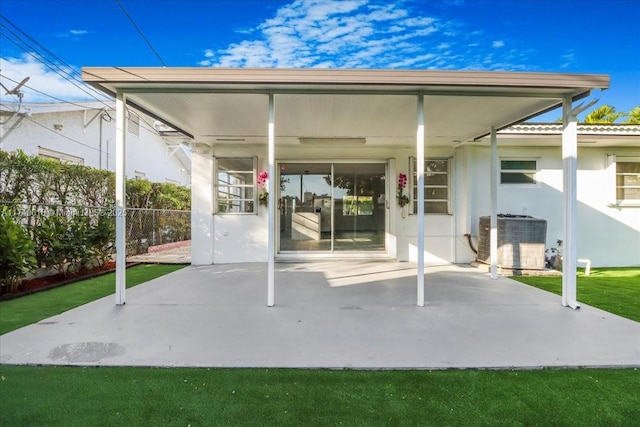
(468, 236)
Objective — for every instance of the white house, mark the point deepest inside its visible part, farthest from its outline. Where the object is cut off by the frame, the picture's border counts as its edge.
(608, 185)
(84, 133)
(335, 144)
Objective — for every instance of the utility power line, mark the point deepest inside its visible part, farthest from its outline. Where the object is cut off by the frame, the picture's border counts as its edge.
(59, 135)
(148, 126)
(140, 32)
(42, 93)
(67, 73)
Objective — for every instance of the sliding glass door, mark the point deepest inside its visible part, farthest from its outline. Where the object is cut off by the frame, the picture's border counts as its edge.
(305, 207)
(332, 207)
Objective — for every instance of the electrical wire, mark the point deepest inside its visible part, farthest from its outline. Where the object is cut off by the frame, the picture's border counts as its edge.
(72, 72)
(64, 73)
(108, 107)
(140, 32)
(64, 77)
(67, 74)
(60, 135)
(148, 126)
(43, 93)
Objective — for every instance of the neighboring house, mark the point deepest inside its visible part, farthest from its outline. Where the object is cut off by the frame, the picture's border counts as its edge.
(335, 145)
(84, 133)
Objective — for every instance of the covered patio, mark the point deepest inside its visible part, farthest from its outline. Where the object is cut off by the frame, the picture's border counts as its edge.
(311, 114)
(334, 314)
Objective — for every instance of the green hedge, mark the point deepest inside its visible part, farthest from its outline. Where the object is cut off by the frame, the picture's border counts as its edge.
(66, 213)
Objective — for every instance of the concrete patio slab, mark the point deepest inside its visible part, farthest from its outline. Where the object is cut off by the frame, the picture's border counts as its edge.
(347, 314)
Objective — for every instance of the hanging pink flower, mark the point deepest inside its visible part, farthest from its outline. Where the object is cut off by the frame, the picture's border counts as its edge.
(402, 181)
(262, 177)
(263, 196)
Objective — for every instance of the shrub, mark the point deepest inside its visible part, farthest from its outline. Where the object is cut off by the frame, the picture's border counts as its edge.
(101, 239)
(64, 208)
(50, 239)
(16, 251)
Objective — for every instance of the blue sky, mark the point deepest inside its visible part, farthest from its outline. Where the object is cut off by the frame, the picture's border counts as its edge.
(572, 36)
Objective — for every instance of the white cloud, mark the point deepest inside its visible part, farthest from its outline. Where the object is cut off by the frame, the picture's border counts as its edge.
(362, 34)
(568, 59)
(42, 79)
(315, 33)
(245, 30)
(78, 32)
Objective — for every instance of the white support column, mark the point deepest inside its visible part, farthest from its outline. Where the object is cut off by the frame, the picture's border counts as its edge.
(202, 207)
(271, 206)
(420, 176)
(121, 197)
(493, 236)
(569, 192)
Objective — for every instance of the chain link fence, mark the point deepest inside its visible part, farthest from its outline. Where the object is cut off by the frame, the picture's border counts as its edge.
(151, 227)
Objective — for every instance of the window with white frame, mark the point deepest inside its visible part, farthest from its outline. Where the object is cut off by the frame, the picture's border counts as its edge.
(235, 185)
(518, 171)
(437, 186)
(628, 179)
(61, 157)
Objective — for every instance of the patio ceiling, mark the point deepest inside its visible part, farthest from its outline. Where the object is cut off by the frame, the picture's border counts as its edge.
(215, 105)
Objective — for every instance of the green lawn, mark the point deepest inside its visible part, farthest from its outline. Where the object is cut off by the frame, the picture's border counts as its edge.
(284, 397)
(30, 309)
(616, 290)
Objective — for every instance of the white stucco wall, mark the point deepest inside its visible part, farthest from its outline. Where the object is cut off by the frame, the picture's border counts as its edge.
(607, 235)
(243, 238)
(147, 153)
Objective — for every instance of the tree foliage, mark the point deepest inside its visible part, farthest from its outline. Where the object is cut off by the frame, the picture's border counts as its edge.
(607, 114)
(634, 116)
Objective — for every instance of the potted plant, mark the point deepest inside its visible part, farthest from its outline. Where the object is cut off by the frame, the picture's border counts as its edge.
(263, 196)
(403, 200)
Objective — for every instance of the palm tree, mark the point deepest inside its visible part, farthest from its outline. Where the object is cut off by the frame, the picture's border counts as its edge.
(603, 115)
(634, 116)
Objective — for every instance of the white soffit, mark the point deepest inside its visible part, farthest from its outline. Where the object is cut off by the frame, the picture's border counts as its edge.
(214, 105)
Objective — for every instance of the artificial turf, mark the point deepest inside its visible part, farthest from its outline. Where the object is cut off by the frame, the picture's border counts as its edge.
(281, 397)
(616, 290)
(30, 309)
(32, 395)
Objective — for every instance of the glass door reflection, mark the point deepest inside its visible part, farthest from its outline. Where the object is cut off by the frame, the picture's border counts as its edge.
(359, 207)
(305, 207)
(327, 207)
